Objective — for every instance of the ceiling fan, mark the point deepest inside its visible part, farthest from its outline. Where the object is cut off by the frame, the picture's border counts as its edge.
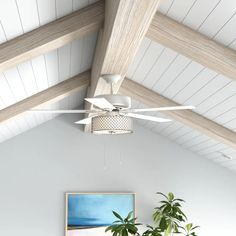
(112, 113)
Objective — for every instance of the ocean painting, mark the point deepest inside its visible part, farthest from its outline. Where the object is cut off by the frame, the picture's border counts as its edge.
(90, 214)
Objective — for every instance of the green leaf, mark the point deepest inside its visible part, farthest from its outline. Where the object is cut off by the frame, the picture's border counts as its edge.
(168, 230)
(117, 222)
(109, 228)
(178, 200)
(171, 196)
(129, 215)
(162, 194)
(189, 226)
(117, 216)
(163, 224)
(124, 232)
(195, 227)
(164, 202)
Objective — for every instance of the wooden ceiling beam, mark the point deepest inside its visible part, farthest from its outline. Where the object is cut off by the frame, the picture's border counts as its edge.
(126, 24)
(187, 117)
(51, 36)
(50, 95)
(193, 44)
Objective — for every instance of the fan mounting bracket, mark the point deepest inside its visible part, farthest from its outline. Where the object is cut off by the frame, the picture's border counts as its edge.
(111, 78)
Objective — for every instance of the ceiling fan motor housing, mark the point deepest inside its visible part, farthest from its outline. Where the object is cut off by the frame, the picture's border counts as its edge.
(117, 100)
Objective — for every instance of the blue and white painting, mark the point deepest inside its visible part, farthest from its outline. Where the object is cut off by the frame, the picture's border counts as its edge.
(90, 214)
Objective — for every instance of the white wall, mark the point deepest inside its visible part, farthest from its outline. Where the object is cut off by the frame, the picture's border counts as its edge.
(39, 166)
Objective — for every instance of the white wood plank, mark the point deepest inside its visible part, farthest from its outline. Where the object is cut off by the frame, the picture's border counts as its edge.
(28, 14)
(64, 62)
(219, 103)
(195, 141)
(180, 9)
(164, 6)
(138, 57)
(222, 13)
(227, 34)
(208, 90)
(2, 104)
(15, 83)
(89, 43)
(18, 89)
(212, 149)
(231, 124)
(221, 108)
(204, 145)
(183, 79)
(63, 7)
(151, 56)
(159, 67)
(40, 72)
(2, 34)
(51, 60)
(28, 79)
(200, 12)
(5, 92)
(187, 136)
(10, 19)
(171, 129)
(179, 133)
(76, 57)
(201, 80)
(223, 94)
(77, 99)
(78, 4)
(47, 11)
(64, 104)
(175, 69)
(227, 116)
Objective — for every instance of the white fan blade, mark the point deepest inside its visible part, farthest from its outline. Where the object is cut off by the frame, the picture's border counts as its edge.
(85, 121)
(151, 118)
(64, 111)
(160, 109)
(101, 103)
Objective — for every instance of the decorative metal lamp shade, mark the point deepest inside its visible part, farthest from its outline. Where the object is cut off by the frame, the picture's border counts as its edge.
(112, 123)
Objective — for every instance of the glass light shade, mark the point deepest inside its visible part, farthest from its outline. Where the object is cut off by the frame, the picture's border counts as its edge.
(112, 124)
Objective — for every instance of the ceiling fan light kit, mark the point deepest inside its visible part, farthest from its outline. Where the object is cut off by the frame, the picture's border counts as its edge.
(112, 123)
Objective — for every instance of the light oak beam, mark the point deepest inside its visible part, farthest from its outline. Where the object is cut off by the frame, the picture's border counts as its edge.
(126, 23)
(51, 36)
(47, 96)
(187, 117)
(193, 44)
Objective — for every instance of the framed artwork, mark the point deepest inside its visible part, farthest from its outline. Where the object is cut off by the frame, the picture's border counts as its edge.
(88, 214)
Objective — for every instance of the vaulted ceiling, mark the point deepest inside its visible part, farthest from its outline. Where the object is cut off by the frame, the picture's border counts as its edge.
(161, 67)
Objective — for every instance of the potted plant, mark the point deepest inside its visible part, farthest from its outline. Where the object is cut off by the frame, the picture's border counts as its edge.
(168, 219)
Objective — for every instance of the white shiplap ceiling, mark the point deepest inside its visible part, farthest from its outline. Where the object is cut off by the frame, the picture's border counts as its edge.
(187, 82)
(155, 66)
(16, 84)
